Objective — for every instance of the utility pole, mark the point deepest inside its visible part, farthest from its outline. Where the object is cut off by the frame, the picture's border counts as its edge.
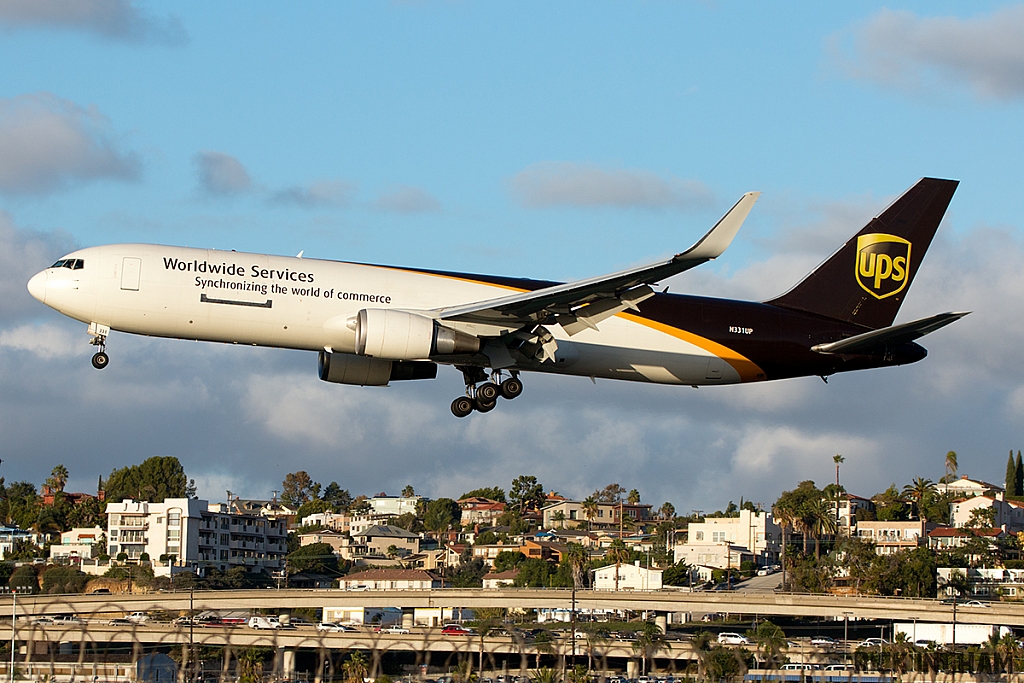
(191, 626)
(14, 626)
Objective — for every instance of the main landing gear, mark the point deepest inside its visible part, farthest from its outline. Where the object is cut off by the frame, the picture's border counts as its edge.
(100, 359)
(482, 392)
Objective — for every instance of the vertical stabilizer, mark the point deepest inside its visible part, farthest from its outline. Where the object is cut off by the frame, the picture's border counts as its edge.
(866, 280)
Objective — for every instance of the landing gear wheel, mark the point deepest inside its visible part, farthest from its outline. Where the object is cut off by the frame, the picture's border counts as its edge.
(100, 360)
(511, 388)
(487, 392)
(462, 406)
(483, 406)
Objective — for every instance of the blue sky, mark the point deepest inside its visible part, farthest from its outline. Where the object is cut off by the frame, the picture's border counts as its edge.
(554, 141)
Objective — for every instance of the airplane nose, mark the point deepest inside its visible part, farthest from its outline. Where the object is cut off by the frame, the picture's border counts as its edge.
(37, 286)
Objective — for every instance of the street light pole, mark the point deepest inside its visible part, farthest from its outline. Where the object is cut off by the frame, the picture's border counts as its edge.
(14, 626)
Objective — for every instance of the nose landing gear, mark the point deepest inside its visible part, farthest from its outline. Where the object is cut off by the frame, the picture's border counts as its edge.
(482, 393)
(100, 359)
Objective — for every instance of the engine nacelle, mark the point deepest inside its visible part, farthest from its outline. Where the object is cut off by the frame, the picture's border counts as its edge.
(398, 335)
(345, 368)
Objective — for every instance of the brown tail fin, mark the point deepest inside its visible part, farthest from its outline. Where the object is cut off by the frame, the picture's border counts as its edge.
(866, 280)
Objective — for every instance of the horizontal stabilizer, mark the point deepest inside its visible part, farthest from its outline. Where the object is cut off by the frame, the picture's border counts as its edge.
(889, 336)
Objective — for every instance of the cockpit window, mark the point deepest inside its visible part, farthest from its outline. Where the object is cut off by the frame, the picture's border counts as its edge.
(71, 263)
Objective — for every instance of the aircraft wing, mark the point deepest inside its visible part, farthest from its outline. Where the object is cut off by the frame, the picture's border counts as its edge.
(889, 336)
(582, 304)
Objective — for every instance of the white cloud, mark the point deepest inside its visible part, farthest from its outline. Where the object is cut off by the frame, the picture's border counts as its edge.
(221, 174)
(568, 183)
(48, 143)
(406, 199)
(44, 341)
(902, 50)
(112, 19)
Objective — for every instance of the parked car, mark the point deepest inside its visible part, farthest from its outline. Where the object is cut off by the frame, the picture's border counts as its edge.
(765, 571)
(456, 630)
(823, 641)
(332, 627)
(926, 643)
(727, 638)
(873, 642)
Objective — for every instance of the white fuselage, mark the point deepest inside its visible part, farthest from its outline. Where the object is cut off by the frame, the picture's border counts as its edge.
(296, 303)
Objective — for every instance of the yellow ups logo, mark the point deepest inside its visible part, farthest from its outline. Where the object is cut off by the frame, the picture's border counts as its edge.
(883, 264)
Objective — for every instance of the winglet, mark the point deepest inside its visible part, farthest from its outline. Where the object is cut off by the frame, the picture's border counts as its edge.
(720, 237)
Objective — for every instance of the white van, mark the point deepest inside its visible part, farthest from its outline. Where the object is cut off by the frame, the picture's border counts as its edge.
(264, 622)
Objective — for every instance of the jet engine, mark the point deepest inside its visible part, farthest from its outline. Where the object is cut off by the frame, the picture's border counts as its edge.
(398, 335)
(345, 368)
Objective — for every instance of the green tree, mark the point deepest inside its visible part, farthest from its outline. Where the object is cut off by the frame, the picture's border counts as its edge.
(533, 574)
(24, 579)
(667, 511)
(315, 557)
(495, 493)
(889, 505)
(507, 560)
(298, 488)
(611, 493)
(918, 491)
(526, 494)
(577, 559)
(634, 497)
(468, 574)
(313, 506)
(153, 480)
(58, 478)
(677, 574)
(822, 522)
(1011, 476)
(1018, 483)
(338, 498)
(951, 468)
(408, 491)
(442, 514)
(589, 507)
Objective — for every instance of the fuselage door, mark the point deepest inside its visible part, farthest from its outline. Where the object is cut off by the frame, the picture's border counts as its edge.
(131, 269)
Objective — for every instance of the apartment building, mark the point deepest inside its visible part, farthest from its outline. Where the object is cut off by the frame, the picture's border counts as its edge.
(1008, 515)
(569, 514)
(751, 533)
(188, 534)
(393, 506)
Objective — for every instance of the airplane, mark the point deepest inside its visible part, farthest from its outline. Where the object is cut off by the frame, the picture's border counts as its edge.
(374, 324)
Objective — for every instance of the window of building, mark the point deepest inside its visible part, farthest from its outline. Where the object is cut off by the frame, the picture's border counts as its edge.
(174, 519)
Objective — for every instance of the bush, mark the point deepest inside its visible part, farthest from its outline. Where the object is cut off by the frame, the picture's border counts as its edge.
(64, 580)
(24, 578)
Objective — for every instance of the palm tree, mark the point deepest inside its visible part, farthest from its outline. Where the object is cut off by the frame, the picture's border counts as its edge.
(898, 651)
(838, 460)
(589, 506)
(784, 517)
(559, 519)
(916, 491)
(1009, 648)
(649, 639)
(770, 640)
(701, 643)
(58, 478)
(633, 498)
(355, 668)
(541, 646)
(546, 675)
(578, 558)
(822, 522)
(951, 468)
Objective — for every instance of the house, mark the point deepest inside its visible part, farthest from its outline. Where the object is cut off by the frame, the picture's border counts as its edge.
(328, 520)
(542, 550)
(487, 552)
(385, 506)
(500, 579)
(391, 579)
(482, 511)
(1007, 515)
(721, 555)
(755, 532)
(984, 583)
(892, 537)
(310, 580)
(77, 544)
(11, 536)
(967, 488)
(379, 538)
(627, 577)
(849, 504)
(948, 538)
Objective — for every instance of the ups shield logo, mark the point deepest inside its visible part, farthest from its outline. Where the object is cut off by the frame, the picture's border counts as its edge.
(883, 264)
